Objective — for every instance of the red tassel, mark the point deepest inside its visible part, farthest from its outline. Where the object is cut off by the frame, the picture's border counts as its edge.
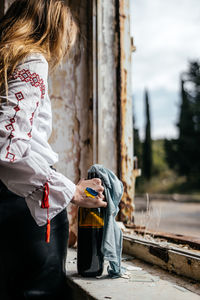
(45, 200)
(45, 204)
(48, 231)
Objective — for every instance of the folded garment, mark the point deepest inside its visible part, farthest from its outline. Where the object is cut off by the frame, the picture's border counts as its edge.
(111, 246)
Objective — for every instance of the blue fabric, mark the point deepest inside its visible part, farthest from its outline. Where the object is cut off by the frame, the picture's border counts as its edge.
(112, 235)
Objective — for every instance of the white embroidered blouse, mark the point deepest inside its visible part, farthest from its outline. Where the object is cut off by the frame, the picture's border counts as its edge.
(25, 155)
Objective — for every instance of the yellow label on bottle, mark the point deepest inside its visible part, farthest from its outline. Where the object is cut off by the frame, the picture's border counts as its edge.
(88, 218)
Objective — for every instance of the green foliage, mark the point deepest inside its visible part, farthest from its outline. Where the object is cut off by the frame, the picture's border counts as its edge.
(137, 147)
(171, 151)
(164, 179)
(161, 175)
(183, 154)
(170, 166)
(185, 143)
(137, 144)
(193, 91)
(159, 157)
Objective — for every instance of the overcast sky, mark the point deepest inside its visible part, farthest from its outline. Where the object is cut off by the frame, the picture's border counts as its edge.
(167, 37)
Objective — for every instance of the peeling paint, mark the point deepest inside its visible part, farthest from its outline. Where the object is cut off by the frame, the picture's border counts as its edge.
(126, 164)
(72, 114)
(107, 89)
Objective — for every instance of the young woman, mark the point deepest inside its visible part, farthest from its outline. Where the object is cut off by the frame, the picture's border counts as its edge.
(34, 35)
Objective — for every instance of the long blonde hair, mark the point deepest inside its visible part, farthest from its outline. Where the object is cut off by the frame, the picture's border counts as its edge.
(30, 26)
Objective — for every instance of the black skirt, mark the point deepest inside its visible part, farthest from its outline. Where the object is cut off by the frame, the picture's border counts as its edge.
(30, 268)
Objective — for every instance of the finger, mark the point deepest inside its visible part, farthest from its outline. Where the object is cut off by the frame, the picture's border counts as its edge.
(101, 188)
(97, 181)
(96, 185)
(101, 196)
(81, 180)
(98, 188)
(99, 199)
(102, 203)
(93, 203)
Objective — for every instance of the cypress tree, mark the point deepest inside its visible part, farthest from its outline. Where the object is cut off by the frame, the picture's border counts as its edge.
(183, 153)
(193, 80)
(137, 145)
(185, 145)
(147, 145)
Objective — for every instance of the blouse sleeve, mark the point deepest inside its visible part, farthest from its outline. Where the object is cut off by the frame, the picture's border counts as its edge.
(22, 170)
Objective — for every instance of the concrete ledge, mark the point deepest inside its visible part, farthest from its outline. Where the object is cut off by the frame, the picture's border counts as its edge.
(144, 282)
(76, 291)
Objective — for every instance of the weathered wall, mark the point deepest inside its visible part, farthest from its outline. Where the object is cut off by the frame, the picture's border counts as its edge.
(107, 84)
(115, 133)
(69, 90)
(126, 164)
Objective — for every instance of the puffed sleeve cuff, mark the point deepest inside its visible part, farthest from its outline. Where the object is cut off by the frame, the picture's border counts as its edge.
(61, 192)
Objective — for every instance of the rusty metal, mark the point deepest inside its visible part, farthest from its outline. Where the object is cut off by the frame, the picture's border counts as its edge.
(173, 259)
(193, 242)
(125, 151)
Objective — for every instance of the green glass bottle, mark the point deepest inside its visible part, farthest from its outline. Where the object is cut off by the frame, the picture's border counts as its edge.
(90, 232)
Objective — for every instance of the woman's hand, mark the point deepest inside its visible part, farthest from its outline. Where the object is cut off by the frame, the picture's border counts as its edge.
(82, 200)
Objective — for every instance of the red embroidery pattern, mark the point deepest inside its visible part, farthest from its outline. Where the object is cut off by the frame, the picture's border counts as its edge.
(10, 156)
(31, 120)
(19, 96)
(36, 81)
(10, 126)
(33, 78)
(16, 108)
